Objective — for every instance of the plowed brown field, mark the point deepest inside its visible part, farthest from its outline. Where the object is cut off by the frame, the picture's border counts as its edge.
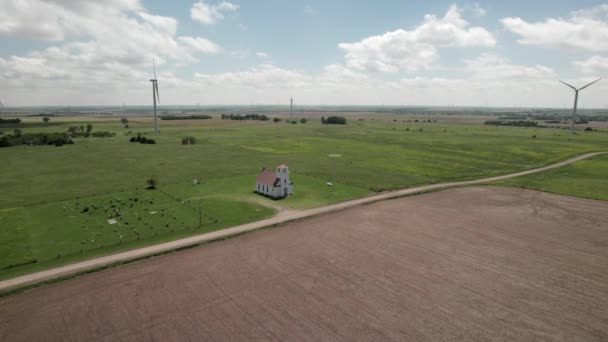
(470, 264)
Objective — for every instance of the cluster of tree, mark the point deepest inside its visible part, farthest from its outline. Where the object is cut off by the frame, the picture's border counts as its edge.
(10, 121)
(102, 134)
(125, 122)
(17, 138)
(80, 131)
(188, 140)
(189, 117)
(83, 131)
(276, 119)
(259, 117)
(142, 139)
(423, 120)
(520, 123)
(334, 120)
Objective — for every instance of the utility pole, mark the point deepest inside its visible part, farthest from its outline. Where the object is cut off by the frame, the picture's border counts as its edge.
(291, 111)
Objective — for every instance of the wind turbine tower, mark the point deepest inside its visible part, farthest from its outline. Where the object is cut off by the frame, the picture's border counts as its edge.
(576, 101)
(155, 96)
(291, 112)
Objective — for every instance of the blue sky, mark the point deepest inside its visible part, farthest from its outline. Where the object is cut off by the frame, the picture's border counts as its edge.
(59, 52)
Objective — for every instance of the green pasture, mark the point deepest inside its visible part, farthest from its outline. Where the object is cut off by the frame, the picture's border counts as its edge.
(309, 191)
(587, 178)
(42, 185)
(45, 234)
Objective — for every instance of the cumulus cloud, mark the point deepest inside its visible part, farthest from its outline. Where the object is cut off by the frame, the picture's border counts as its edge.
(211, 13)
(200, 44)
(262, 76)
(594, 65)
(493, 67)
(417, 48)
(586, 29)
(90, 35)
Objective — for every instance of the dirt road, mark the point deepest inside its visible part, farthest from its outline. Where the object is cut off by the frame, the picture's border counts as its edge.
(467, 264)
(283, 218)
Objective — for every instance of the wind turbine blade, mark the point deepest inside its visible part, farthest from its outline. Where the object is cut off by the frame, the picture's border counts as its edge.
(568, 85)
(590, 84)
(154, 67)
(157, 94)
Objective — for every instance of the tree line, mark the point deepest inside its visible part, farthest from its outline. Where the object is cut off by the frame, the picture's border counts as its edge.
(259, 117)
(189, 117)
(519, 123)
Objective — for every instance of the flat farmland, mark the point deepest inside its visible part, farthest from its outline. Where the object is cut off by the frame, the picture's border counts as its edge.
(41, 185)
(470, 264)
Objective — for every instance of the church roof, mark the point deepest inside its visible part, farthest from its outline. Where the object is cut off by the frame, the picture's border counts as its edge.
(266, 177)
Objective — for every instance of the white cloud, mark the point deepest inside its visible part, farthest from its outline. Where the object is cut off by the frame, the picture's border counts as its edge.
(262, 54)
(211, 13)
(418, 48)
(595, 65)
(95, 48)
(586, 29)
(263, 76)
(493, 67)
(200, 44)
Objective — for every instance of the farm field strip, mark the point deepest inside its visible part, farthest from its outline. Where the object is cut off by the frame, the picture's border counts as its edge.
(194, 240)
(449, 265)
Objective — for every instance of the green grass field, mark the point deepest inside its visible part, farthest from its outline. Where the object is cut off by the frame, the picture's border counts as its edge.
(40, 219)
(587, 178)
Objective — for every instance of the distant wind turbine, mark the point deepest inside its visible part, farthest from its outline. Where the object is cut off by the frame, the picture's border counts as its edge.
(1, 106)
(576, 101)
(155, 95)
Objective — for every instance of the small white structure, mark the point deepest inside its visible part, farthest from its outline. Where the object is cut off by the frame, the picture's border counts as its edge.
(274, 184)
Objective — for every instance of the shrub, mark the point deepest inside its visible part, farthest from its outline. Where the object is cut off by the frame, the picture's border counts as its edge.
(46, 119)
(152, 182)
(103, 134)
(588, 129)
(276, 119)
(143, 140)
(534, 136)
(133, 139)
(151, 141)
(17, 132)
(303, 120)
(334, 120)
(188, 140)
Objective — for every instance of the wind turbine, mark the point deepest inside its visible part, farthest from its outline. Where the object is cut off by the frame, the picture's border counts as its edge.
(155, 95)
(576, 101)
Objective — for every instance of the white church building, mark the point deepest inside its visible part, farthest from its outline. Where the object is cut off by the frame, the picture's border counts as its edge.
(275, 184)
